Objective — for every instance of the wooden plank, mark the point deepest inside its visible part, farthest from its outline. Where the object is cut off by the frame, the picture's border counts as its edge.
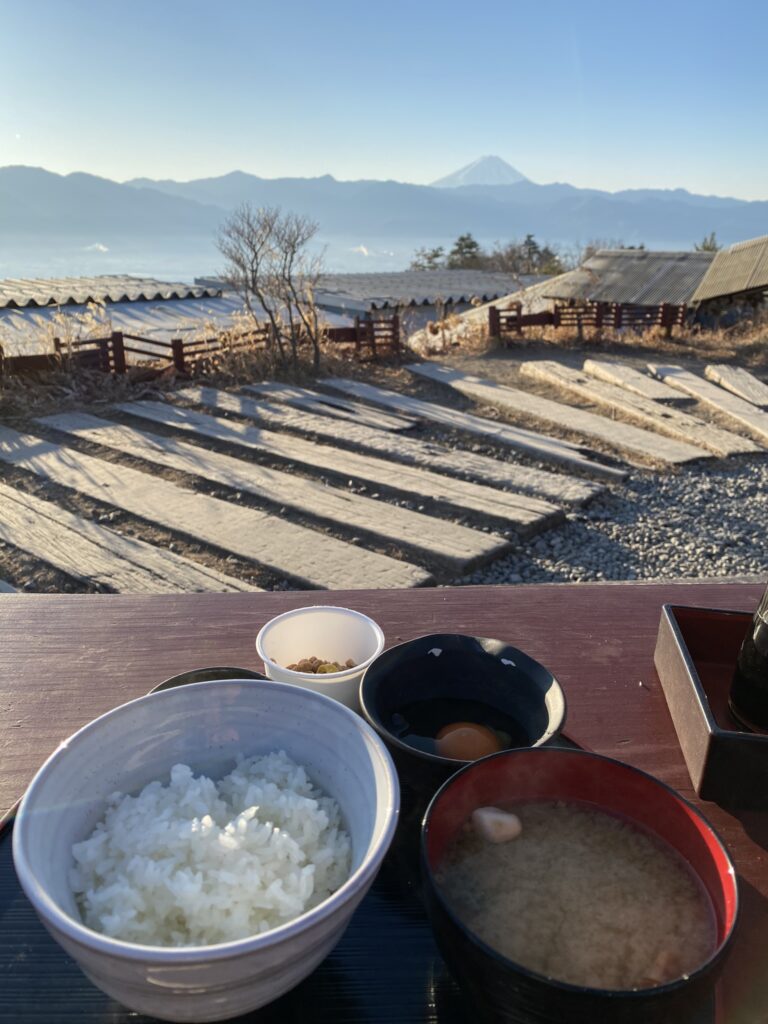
(635, 381)
(87, 551)
(739, 381)
(662, 419)
(733, 408)
(456, 546)
(412, 450)
(618, 435)
(306, 556)
(520, 511)
(331, 405)
(538, 446)
(6, 588)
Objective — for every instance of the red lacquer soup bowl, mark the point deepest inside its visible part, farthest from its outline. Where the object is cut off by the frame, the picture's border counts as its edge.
(501, 990)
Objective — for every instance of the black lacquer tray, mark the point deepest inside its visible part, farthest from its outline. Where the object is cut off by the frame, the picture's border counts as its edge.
(386, 968)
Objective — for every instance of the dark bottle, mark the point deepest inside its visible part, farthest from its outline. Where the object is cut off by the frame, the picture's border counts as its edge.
(749, 689)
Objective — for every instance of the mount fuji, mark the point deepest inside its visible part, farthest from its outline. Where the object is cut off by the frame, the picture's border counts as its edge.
(487, 170)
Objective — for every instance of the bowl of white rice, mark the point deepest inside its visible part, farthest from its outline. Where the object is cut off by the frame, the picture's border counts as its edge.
(198, 852)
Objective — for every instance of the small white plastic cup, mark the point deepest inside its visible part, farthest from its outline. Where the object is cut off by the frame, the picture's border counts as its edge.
(322, 631)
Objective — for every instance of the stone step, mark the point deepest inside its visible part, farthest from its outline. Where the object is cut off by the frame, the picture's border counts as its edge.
(635, 381)
(307, 557)
(93, 553)
(622, 436)
(537, 446)
(556, 487)
(458, 547)
(730, 406)
(662, 419)
(740, 382)
(331, 405)
(524, 514)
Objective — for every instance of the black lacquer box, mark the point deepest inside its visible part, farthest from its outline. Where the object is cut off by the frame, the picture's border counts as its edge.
(696, 651)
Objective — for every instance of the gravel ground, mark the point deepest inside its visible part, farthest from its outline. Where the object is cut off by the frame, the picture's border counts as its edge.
(693, 523)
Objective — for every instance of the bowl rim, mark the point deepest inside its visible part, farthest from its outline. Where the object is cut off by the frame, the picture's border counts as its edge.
(179, 678)
(550, 734)
(87, 937)
(324, 677)
(639, 993)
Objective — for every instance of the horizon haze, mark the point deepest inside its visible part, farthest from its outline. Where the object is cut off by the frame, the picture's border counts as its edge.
(54, 225)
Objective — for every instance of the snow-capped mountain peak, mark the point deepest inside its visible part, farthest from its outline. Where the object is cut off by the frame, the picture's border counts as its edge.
(487, 170)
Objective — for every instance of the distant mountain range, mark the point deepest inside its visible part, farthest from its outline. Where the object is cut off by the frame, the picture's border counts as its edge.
(488, 198)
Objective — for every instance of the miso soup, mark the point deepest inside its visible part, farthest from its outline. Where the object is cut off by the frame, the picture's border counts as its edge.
(581, 896)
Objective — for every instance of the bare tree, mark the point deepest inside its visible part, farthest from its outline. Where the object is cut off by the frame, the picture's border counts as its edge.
(270, 267)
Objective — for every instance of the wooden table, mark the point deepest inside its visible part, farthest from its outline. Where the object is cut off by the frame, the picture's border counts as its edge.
(64, 659)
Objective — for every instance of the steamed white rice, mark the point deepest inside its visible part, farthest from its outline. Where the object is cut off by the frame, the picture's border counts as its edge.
(196, 862)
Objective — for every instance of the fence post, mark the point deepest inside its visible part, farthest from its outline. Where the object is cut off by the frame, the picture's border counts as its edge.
(617, 318)
(372, 338)
(494, 322)
(519, 319)
(177, 347)
(104, 354)
(118, 352)
(579, 328)
(667, 318)
(396, 336)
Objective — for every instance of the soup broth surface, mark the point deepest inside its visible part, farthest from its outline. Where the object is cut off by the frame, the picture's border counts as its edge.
(581, 896)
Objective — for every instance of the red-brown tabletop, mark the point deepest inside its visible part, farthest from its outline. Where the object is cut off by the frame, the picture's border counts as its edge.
(65, 659)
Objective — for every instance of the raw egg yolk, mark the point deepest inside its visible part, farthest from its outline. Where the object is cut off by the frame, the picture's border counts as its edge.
(465, 741)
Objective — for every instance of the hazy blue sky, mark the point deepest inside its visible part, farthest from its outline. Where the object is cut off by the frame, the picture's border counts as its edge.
(604, 93)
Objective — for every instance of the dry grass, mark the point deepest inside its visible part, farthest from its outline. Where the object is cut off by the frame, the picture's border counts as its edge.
(745, 343)
(70, 386)
(24, 397)
(236, 363)
(65, 325)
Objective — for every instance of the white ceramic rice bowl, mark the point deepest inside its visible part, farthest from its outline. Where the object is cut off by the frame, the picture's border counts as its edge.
(204, 725)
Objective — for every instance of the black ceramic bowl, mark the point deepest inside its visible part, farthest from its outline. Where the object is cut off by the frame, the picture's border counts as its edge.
(451, 666)
(505, 992)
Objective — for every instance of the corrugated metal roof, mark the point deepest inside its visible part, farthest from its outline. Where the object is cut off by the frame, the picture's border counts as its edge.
(741, 268)
(417, 287)
(31, 329)
(635, 276)
(107, 288)
(360, 293)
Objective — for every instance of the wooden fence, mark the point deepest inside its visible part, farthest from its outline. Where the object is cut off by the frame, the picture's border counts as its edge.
(367, 339)
(596, 315)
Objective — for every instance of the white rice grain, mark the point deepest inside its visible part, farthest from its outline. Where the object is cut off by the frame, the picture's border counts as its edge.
(196, 863)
